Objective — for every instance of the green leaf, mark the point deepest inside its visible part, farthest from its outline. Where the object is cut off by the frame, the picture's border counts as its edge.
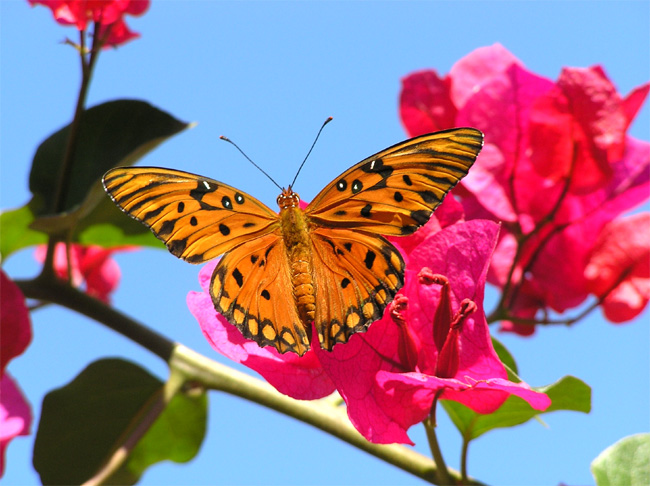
(16, 233)
(177, 436)
(113, 133)
(507, 359)
(626, 462)
(108, 226)
(569, 393)
(84, 422)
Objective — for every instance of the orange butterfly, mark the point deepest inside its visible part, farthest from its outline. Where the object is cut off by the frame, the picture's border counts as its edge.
(327, 264)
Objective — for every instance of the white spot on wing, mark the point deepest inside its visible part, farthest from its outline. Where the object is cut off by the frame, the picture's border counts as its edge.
(207, 186)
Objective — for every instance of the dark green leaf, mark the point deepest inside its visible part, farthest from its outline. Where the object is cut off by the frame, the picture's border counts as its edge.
(113, 133)
(82, 422)
(626, 462)
(569, 393)
(176, 436)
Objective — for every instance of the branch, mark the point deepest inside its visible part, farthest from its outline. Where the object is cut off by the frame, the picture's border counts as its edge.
(212, 375)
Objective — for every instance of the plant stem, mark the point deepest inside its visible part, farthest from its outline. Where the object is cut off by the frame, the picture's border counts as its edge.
(430, 424)
(71, 144)
(463, 459)
(212, 375)
(59, 292)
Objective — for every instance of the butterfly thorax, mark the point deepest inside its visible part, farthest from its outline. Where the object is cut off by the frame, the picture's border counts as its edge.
(295, 233)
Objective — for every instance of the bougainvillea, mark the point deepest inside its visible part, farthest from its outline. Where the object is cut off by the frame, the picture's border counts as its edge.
(107, 14)
(91, 265)
(16, 332)
(556, 168)
(376, 371)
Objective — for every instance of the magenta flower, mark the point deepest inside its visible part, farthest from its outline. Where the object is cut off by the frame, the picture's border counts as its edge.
(15, 415)
(398, 357)
(619, 267)
(90, 264)
(557, 167)
(16, 332)
(442, 349)
(108, 14)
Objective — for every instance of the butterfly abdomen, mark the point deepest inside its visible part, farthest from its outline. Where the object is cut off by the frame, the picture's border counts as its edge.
(299, 254)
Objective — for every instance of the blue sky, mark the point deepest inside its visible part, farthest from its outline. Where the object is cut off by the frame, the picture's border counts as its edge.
(267, 74)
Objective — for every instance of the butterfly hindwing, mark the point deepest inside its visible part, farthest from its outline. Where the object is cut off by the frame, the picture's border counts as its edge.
(196, 217)
(356, 275)
(251, 287)
(395, 191)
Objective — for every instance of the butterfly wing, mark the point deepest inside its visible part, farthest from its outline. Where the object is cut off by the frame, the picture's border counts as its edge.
(395, 191)
(252, 288)
(196, 217)
(356, 275)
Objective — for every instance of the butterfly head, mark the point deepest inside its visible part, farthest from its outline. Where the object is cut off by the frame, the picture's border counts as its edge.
(288, 199)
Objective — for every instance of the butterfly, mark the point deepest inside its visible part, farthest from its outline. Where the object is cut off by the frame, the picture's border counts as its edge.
(328, 265)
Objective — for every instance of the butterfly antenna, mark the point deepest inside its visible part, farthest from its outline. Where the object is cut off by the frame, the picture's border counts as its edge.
(226, 139)
(329, 119)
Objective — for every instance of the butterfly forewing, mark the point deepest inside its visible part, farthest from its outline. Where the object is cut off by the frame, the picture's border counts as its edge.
(196, 217)
(395, 191)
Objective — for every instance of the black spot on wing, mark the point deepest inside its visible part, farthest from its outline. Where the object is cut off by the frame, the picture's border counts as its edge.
(239, 278)
(370, 259)
(202, 188)
(177, 247)
(193, 221)
(181, 207)
(266, 294)
(429, 197)
(154, 213)
(365, 211)
(198, 258)
(167, 227)
(224, 229)
(421, 216)
(377, 167)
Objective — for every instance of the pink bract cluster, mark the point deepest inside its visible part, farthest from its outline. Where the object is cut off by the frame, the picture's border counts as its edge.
(91, 265)
(16, 332)
(390, 375)
(108, 14)
(557, 170)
